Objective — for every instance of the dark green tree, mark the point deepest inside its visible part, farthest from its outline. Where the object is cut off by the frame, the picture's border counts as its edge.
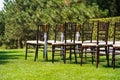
(22, 16)
(112, 6)
(2, 27)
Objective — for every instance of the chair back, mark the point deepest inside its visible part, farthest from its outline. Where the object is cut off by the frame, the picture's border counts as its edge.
(78, 32)
(42, 32)
(70, 32)
(58, 32)
(102, 32)
(116, 32)
(87, 31)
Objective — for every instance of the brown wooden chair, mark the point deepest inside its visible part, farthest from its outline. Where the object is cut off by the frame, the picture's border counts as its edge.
(40, 42)
(116, 43)
(77, 42)
(100, 45)
(70, 39)
(58, 42)
(66, 43)
(88, 45)
(102, 41)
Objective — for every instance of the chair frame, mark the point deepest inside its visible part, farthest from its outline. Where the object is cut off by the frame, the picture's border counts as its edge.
(116, 43)
(58, 29)
(98, 44)
(105, 28)
(72, 34)
(89, 33)
(40, 40)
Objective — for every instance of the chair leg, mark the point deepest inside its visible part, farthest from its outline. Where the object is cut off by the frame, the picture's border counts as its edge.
(75, 55)
(85, 54)
(107, 55)
(36, 53)
(53, 51)
(26, 51)
(92, 58)
(81, 56)
(114, 62)
(113, 58)
(97, 56)
(64, 55)
(92, 49)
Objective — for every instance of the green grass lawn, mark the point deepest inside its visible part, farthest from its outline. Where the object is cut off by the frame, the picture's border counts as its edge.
(13, 66)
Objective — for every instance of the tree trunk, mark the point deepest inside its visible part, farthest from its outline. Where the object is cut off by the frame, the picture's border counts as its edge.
(20, 43)
(16, 42)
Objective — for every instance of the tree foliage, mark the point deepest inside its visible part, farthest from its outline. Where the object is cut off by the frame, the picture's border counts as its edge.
(22, 16)
(112, 6)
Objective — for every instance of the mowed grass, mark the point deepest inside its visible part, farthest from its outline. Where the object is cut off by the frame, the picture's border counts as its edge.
(13, 66)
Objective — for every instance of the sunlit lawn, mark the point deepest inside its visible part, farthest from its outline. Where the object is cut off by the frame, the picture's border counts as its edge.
(13, 66)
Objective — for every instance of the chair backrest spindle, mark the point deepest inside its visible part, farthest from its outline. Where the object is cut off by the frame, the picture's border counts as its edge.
(116, 32)
(102, 32)
(87, 31)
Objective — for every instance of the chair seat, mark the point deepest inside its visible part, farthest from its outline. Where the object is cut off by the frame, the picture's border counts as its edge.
(94, 44)
(35, 42)
(117, 52)
(78, 42)
(102, 44)
(116, 45)
(111, 42)
(93, 41)
(89, 44)
(88, 41)
(52, 42)
(68, 42)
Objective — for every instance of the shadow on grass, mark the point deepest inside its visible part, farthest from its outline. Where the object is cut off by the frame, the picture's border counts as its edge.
(6, 56)
(50, 60)
(117, 65)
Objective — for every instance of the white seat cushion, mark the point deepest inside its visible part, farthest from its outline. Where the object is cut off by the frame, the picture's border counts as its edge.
(88, 44)
(116, 45)
(34, 42)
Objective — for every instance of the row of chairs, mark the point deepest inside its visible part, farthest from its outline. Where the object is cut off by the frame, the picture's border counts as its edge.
(77, 38)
